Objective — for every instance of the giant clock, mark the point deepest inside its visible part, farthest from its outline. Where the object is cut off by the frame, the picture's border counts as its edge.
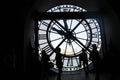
(71, 35)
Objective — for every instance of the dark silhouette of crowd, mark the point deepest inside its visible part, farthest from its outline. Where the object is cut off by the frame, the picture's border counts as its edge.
(94, 57)
(47, 64)
(83, 60)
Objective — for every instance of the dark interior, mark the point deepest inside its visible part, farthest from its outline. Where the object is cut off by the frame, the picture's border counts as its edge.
(15, 32)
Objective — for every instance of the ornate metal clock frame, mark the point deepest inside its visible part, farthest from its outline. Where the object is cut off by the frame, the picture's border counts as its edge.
(69, 27)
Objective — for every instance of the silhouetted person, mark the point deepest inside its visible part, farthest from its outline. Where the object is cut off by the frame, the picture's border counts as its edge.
(59, 63)
(45, 65)
(95, 58)
(83, 58)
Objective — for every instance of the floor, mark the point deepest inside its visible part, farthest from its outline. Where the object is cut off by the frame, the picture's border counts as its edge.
(82, 76)
(79, 75)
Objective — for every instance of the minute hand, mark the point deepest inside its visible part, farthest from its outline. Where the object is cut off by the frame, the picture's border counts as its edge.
(58, 31)
(77, 25)
(61, 25)
(80, 43)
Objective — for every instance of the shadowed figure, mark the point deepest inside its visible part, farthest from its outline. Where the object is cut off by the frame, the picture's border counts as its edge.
(96, 60)
(83, 58)
(45, 65)
(59, 63)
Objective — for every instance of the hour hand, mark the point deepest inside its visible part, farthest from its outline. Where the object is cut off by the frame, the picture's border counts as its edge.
(61, 32)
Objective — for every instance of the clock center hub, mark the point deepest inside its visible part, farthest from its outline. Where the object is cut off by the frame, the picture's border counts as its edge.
(69, 35)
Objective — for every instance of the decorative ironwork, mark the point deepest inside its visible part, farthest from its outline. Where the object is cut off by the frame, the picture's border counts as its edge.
(71, 35)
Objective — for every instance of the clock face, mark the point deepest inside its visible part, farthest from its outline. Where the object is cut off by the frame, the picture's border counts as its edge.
(71, 35)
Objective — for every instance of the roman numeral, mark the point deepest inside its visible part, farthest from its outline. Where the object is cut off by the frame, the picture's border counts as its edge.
(70, 62)
(41, 36)
(90, 21)
(66, 10)
(47, 49)
(94, 35)
(45, 23)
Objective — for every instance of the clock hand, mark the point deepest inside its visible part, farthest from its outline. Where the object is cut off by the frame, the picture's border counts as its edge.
(61, 25)
(77, 25)
(74, 38)
(57, 46)
(65, 24)
(58, 31)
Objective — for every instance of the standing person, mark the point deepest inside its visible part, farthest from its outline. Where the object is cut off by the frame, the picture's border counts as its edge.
(95, 58)
(59, 63)
(83, 58)
(45, 65)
